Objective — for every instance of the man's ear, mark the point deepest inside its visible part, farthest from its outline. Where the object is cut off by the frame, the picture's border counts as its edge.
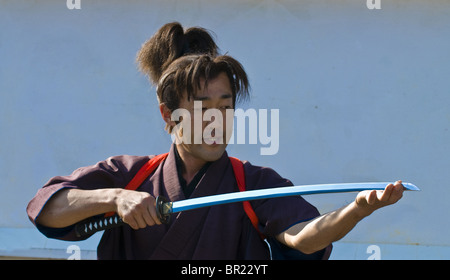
(166, 114)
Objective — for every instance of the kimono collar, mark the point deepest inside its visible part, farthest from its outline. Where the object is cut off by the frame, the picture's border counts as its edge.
(171, 176)
(188, 188)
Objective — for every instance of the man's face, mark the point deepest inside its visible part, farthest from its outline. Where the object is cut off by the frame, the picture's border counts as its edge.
(205, 137)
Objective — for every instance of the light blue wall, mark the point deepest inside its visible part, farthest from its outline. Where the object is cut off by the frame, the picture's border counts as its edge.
(363, 96)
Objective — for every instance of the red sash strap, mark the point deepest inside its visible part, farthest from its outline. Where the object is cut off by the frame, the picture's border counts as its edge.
(145, 171)
(143, 174)
(238, 168)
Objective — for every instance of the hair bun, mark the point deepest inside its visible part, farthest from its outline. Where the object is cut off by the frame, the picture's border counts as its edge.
(169, 43)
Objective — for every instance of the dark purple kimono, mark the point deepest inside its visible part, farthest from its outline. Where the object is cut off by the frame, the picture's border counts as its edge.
(219, 232)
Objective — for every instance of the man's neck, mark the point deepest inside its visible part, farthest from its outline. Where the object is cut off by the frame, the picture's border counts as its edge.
(190, 164)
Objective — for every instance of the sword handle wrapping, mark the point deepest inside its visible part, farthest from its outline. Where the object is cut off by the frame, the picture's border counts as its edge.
(94, 224)
(98, 223)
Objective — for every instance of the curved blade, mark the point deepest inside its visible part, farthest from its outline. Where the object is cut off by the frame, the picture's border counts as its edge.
(194, 203)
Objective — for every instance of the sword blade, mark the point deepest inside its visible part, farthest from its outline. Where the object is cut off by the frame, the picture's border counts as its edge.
(165, 208)
(195, 203)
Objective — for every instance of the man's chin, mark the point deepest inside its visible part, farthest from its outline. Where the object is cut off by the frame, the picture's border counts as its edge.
(213, 152)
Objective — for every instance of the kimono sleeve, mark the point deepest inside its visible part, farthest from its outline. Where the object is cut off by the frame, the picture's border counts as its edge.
(115, 172)
(278, 214)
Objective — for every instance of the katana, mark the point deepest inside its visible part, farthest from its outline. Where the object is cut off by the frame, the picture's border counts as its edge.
(165, 208)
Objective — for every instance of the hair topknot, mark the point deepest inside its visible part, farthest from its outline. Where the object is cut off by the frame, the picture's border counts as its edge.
(170, 42)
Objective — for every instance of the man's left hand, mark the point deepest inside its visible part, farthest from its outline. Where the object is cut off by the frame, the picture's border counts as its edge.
(371, 200)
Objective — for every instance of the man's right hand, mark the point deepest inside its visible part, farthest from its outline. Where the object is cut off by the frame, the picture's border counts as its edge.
(69, 206)
(137, 209)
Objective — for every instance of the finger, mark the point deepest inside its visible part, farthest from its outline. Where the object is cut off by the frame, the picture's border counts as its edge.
(146, 209)
(399, 186)
(153, 214)
(129, 220)
(140, 221)
(371, 197)
(397, 192)
(148, 218)
(386, 194)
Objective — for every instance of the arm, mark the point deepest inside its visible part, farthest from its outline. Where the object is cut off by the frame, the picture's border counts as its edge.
(69, 206)
(318, 233)
(92, 190)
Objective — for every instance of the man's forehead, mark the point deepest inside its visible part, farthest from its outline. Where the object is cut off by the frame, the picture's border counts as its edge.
(213, 90)
(218, 87)
(206, 96)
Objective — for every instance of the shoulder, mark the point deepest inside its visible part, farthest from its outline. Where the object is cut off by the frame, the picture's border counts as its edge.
(118, 163)
(126, 161)
(263, 177)
(115, 170)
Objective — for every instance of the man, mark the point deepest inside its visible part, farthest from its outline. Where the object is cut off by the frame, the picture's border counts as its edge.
(186, 69)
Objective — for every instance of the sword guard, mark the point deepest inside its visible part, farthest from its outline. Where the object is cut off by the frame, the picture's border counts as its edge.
(163, 209)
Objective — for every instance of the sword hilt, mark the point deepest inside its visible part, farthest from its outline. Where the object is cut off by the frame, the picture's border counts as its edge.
(163, 209)
(94, 224)
(98, 223)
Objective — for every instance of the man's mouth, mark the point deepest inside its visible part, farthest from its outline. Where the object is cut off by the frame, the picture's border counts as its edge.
(213, 140)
